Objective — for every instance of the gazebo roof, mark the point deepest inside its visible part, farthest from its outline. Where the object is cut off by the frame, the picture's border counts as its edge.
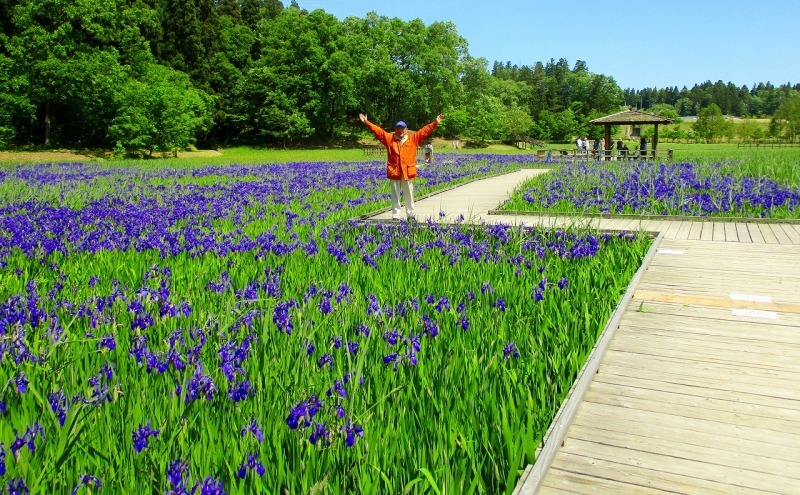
(631, 117)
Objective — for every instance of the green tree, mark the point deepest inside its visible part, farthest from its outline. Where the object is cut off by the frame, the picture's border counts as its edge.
(190, 31)
(161, 112)
(69, 58)
(666, 110)
(486, 120)
(749, 129)
(455, 124)
(230, 64)
(281, 93)
(788, 114)
(518, 124)
(711, 124)
(544, 127)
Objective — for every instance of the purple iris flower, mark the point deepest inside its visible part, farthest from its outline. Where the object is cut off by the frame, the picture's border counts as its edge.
(209, 486)
(510, 351)
(253, 428)
(326, 359)
(59, 404)
(352, 431)
(140, 436)
(252, 462)
(20, 382)
(175, 475)
(319, 433)
(17, 487)
(87, 480)
(240, 391)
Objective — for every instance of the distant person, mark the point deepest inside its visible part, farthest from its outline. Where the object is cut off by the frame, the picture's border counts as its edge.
(643, 146)
(585, 145)
(429, 153)
(621, 148)
(401, 163)
(579, 144)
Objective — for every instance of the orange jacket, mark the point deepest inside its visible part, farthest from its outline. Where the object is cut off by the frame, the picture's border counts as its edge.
(402, 160)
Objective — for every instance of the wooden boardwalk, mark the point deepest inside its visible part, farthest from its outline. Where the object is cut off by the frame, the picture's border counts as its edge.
(699, 391)
(699, 388)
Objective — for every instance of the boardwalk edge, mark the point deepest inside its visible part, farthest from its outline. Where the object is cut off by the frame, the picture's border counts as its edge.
(531, 480)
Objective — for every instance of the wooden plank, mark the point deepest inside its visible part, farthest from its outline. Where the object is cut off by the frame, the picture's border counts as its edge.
(679, 288)
(766, 335)
(737, 248)
(731, 235)
(766, 410)
(732, 263)
(699, 346)
(757, 340)
(791, 233)
(755, 233)
(725, 281)
(718, 232)
(742, 233)
(671, 229)
(644, 476)
(780, 413)
(688, 451)
(646, 225)
(780, 234)
(629, 225)
(683, 231)
(646, 341)
(659, 343)
(607, 416)
(718, 302)
(677, 285)
(766, 232)
(707, 234)
(664, 426)
(729, 264)
(568, 482)
(745, 387)
(683, 471)
(717, 316)
(695, 230)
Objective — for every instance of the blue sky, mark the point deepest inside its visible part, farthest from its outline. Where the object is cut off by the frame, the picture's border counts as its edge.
(683, 42)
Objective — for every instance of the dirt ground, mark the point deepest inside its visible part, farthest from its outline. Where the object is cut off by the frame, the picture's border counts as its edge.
(58, 156)
(54, 156)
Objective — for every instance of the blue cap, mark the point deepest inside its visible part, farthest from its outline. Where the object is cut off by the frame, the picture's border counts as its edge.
(401, 124)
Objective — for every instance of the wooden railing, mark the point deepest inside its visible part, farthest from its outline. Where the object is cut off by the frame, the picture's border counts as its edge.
(575, 155)
(758, 144)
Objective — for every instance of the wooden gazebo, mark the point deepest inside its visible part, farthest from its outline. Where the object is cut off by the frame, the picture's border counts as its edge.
(631, 117)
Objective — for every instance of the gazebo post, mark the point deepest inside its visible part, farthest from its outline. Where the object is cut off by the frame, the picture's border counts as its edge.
(608, 141)
(655, 139)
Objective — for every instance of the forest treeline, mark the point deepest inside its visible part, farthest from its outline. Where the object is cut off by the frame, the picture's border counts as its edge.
(158, 75)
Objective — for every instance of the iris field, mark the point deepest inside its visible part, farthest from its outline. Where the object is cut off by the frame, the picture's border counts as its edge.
(764, 185)
(229, 329)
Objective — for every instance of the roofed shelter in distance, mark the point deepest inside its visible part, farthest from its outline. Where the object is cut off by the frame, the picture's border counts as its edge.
(631, 117)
